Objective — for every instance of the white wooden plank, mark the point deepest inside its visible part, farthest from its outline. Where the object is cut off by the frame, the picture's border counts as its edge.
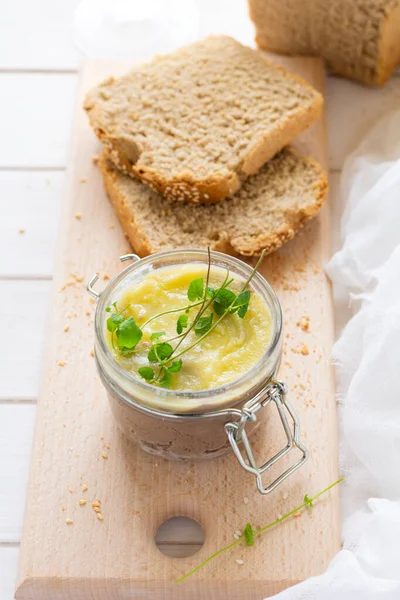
(16, 434)
(30, 206)
(8, 571)
(35, 119)
(37, 35)
(24, 305)
(352, 109)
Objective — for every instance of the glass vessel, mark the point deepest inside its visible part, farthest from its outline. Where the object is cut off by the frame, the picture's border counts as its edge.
(184, 425)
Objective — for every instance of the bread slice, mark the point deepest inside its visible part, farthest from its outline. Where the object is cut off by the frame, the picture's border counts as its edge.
(266, 212)
(194, 124)
(359, 39)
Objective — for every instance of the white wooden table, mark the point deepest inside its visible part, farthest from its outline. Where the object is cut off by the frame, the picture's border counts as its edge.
(38, 74)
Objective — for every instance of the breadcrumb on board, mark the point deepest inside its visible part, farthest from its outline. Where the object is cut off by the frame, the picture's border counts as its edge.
(304, 323)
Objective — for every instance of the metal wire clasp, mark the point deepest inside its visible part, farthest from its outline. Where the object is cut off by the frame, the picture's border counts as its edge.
(95, 277)
(236, 432)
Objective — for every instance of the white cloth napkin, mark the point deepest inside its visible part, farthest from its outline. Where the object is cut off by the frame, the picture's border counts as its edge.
(367, 358)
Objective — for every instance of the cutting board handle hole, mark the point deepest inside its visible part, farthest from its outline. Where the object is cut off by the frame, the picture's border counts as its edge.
(179, 537)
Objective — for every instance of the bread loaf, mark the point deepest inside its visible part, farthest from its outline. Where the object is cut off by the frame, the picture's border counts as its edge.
(359, 39)
(196, 123)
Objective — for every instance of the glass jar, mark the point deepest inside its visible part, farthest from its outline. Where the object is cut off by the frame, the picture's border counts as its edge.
(184, 425)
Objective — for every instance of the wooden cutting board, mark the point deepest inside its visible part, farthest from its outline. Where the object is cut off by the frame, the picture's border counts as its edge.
(77, 443)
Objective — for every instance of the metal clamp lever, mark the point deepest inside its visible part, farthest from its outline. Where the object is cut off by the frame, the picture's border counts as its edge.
(236, 432)
(95, 277)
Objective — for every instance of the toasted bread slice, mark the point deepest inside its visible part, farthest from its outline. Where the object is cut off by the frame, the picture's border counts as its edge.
(266, 212)
(196, 123)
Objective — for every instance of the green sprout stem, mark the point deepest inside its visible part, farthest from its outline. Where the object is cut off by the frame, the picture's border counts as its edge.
(168, 312)
(118, 312)
(199, 314)
(203, 301)
(124, 309)
(295, 510)
(307, 502)
(175, 356)
(112, 341)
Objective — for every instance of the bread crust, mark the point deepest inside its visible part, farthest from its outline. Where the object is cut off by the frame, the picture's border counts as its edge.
(185, 186)
(134, 233)
(225, 242)
(274, 240)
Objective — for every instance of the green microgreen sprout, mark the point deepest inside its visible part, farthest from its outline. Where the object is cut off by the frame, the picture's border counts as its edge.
(127, 332)
(196, 289)
(163, 356)
(181, 324)
(249, 534)
(308, 501)
(156, 335)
